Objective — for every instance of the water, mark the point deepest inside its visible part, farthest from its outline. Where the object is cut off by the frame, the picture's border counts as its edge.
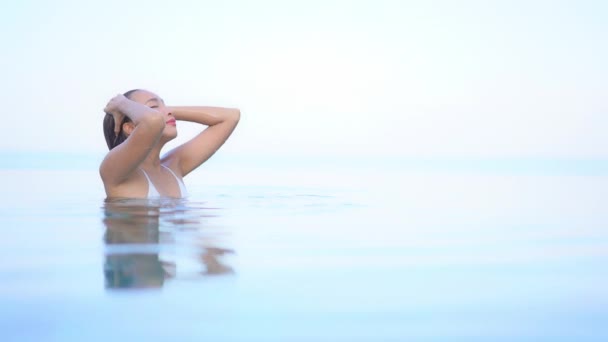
(327, 250)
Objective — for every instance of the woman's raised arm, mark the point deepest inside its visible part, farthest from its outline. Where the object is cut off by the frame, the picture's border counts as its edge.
(144, 130)
(221, 122)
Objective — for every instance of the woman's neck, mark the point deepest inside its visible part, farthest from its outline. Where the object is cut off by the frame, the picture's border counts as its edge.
(152, 161)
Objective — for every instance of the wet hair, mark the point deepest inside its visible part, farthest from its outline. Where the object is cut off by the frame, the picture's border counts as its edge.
(113, 139)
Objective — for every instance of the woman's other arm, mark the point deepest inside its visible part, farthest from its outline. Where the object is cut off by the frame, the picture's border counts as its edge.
(221, 122)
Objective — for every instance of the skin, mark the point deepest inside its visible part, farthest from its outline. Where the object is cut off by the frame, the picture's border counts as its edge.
(149, 131)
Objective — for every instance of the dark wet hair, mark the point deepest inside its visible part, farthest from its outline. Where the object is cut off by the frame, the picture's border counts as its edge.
(113, 139)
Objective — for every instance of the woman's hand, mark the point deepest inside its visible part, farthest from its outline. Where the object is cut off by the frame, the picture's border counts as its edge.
(113, 108)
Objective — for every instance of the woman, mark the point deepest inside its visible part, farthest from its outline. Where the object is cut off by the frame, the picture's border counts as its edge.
(137, 125)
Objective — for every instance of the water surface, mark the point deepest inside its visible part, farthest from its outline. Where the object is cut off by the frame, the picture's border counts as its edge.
(416, 251)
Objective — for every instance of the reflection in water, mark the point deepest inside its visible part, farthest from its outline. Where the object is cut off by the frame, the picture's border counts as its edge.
(141, 247)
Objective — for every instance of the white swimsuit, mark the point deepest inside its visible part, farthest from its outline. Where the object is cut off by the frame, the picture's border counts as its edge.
(153, 193)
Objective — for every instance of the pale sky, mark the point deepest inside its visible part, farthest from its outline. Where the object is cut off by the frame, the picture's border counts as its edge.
(405, 78)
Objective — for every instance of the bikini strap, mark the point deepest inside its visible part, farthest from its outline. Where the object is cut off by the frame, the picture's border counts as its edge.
(173, 173)
(145, 174)
(182, 187)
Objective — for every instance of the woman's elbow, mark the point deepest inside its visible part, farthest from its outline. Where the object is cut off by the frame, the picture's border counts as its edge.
(236, 114)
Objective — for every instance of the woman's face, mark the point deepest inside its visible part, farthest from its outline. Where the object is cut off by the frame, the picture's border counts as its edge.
(154, 101)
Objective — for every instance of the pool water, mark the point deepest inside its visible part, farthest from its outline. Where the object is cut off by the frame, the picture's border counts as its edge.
(321, 252)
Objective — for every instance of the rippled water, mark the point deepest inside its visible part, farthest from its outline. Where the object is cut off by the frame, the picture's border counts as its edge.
(317, 253)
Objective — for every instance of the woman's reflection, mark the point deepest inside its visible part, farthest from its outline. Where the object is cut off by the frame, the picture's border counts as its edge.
(137, 232)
